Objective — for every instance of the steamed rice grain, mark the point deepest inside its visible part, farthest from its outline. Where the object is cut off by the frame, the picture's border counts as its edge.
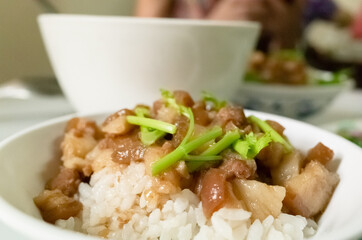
(114, 206)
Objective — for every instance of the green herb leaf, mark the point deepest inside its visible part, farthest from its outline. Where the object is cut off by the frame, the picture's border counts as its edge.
(202, 158)
(242, 147)
(252, 76)
(251, 145)
(215, 149)
(208, 97)
(273, 134)
(337, 77)
(256, 145)
(142, 112)
(152, 123)
(190, 130)
(289, 55)
(148, 135)
(183, 149)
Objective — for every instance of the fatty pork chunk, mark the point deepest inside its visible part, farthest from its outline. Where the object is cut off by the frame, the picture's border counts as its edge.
(120, 145)
(214, 185)
(308, 189)
(81, 136)
(54, 205)
(57, 202)
(309, 192)
(230, 115)
(166, 183)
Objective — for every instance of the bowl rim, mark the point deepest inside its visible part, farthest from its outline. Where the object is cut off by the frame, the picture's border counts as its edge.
(31, 226)
(148, 21)
(292, 89)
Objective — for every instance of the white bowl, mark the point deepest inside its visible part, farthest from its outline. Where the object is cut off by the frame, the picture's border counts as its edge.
(25, 165)
(291, 101)
(103, 61)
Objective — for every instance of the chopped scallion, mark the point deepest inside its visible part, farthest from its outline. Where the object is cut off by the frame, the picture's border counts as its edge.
(184, 149)
(148, 135)
(152, 123)
(208, 97)
(188, 112)
(242, 147)
(273, 134)
(215, 149)
(202, 158)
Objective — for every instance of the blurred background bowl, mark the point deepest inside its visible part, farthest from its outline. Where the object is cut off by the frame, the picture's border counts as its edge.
(102, 61)
(288, 100)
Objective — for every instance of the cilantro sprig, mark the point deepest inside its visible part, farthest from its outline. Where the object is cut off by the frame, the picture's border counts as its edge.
(217, 104)
(215, 149)
(148, 135)
(183, 150)
(273, 134)
(250, 146)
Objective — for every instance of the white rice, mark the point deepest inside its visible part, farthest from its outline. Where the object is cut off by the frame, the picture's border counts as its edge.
(114, 207)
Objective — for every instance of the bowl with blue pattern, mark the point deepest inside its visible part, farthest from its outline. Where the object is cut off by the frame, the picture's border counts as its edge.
(289, 100)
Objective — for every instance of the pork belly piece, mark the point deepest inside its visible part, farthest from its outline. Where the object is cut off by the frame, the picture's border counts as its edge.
(290, 166)
(216, 192)
(201, 115)
(167, 114)
(320, 153)
(183, 98)
(54, 205)
(80, 138)
(117, 123)
(101, 158)
(309, 192)
(67, 181)
(236, 167)
(276, 126)
(232, 114)
(271, 155)
(81, 126)
(260, 199)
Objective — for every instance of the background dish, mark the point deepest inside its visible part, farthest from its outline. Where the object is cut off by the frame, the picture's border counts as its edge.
(291, 101)
(102, 61)
(18, 184)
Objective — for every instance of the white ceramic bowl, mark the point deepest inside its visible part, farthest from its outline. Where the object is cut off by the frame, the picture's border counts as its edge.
(291, 101)
(104, 61)
(25, 165)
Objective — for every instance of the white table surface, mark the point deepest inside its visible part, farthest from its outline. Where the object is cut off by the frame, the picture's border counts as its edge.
(16, 115)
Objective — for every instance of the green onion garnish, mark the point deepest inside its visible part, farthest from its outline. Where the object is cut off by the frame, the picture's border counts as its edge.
(208, 97)
(215, 149)
(188, 113)
(242, 147)
(273, 134)
(171, 101)
(202, 158)
(152, 123)
(251, 145)
(148, 135)
(225, 142)
(184, 149)
(142, 112)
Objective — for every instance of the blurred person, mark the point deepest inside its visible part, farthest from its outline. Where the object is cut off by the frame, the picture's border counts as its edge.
(281, 20)
(341, 44)
(326, 10)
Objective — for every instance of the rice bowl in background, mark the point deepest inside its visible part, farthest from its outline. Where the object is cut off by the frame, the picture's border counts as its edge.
(103, 54)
